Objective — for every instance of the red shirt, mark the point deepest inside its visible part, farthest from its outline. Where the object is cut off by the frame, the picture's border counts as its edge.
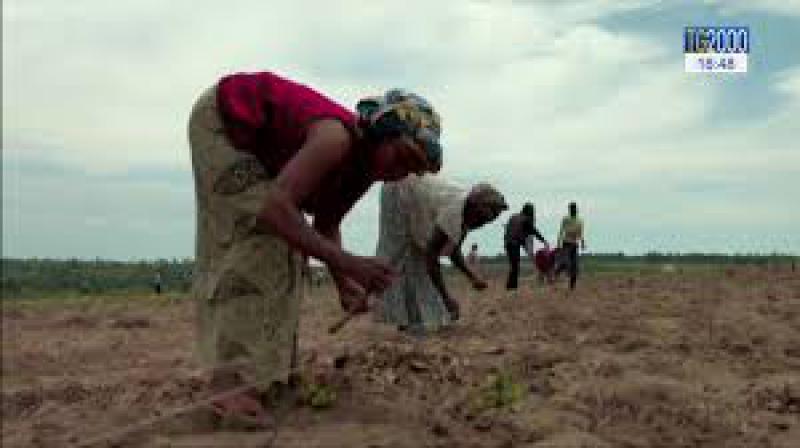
(269, 116)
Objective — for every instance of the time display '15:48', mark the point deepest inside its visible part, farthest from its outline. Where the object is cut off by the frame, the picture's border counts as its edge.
(716, 63)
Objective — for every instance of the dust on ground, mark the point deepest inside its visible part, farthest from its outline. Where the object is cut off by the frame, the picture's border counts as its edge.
(674, 359)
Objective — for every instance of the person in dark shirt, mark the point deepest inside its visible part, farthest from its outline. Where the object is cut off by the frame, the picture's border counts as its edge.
(157, 283)
(520, 227)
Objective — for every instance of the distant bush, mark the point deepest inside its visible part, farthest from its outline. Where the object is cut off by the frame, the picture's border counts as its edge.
(43, 277)
(27, 278)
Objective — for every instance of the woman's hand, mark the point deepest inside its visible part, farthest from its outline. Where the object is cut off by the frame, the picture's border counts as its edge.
(352, 296)
(452, 307)
(373, 274)
(354, 304)
(479, 284)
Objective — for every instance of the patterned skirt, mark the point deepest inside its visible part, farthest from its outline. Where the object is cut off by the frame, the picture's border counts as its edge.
(412, 301)
(247, 282)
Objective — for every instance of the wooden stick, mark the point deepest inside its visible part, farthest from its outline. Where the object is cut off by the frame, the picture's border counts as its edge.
(108, 438)
(340, 323)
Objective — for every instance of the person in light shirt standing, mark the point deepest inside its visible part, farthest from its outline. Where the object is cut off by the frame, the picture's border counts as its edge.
(570, 235)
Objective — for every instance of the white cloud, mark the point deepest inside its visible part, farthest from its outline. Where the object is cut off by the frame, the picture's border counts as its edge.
(781, 7)
(536, 96)
(113, 83)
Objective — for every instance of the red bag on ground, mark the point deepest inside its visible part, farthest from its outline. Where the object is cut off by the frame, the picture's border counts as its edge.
(545, 259)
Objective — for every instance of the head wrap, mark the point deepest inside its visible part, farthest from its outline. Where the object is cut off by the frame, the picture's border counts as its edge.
(398, 113)
(486, 200)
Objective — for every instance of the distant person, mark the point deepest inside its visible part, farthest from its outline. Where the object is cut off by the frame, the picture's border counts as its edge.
(519, 230)
(157, 283)
(474, 260)
(267, 153)
(422, 219)
(569, 237)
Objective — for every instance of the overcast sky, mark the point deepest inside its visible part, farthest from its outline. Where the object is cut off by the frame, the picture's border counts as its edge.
(551, 101)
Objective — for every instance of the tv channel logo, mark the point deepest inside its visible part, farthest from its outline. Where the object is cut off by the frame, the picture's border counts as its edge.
(716, 49)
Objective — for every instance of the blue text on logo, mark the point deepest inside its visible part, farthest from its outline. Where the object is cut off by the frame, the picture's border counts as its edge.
(716, 39)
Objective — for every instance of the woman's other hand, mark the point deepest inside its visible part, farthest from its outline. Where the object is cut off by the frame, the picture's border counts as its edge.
(479, 284)
(373, 274)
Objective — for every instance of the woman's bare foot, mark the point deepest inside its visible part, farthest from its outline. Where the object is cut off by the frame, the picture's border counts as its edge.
(242, 408)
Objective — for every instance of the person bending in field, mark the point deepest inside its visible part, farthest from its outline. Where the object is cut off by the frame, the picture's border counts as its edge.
(267, 152)
(520, 229)
(421, 220)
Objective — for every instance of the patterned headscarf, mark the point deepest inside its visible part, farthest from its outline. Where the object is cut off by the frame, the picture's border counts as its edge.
(486, 200)
(399, 112)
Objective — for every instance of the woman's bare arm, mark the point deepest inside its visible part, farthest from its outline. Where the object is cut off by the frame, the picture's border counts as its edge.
(326, 147)
(435, 246)
(457, 258)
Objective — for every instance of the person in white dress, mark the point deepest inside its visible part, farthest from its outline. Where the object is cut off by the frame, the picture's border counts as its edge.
(423, 218)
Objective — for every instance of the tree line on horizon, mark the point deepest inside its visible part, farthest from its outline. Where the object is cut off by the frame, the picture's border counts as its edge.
(35, 277)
